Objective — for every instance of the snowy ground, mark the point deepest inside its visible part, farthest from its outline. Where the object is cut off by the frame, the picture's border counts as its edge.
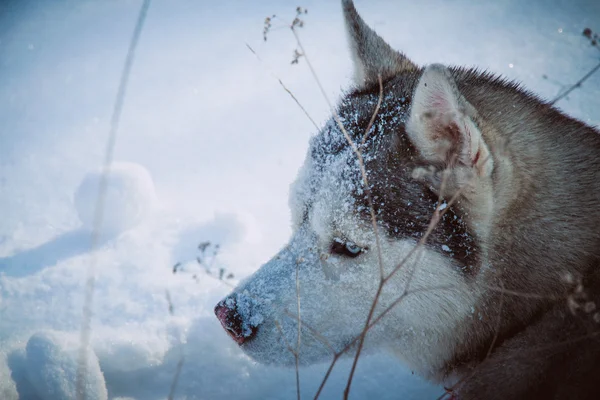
(221, 141)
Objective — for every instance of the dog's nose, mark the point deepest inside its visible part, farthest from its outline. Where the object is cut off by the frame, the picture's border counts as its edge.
(227, 312)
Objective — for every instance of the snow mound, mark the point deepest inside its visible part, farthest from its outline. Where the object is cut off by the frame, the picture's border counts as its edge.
(51, 364)
(129, 198)
(8, 389)
(129, 350)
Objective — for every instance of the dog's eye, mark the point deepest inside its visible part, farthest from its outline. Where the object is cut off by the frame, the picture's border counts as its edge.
(346, 248)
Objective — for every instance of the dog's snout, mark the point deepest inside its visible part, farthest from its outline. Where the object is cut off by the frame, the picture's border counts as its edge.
(231, 319)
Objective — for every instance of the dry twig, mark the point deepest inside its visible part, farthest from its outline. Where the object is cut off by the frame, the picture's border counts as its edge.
(594, 39)
(288, 91)
(85, 331)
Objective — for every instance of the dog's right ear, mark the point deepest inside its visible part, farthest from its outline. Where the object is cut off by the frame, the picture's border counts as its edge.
(371, 54)
(441, 124)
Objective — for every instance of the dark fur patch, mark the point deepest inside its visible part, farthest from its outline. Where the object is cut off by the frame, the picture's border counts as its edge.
(403, 205)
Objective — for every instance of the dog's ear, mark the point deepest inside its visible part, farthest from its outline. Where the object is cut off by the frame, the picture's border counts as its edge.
(441, 124)
(371, 54)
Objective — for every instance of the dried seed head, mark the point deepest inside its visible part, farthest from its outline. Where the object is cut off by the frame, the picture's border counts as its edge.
(589, 307)
(572, 304)
(568, 278)
(296, 56)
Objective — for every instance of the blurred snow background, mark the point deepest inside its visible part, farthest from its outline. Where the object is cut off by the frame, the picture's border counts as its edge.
(220, 142)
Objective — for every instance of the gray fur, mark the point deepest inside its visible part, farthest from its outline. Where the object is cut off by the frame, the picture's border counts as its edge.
(543, 228)
(371, 54)
(521, 244)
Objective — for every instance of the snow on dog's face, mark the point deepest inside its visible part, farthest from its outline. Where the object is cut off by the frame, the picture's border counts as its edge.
(330, 270)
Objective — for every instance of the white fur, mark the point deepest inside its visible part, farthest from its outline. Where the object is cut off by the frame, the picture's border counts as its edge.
(336, 292)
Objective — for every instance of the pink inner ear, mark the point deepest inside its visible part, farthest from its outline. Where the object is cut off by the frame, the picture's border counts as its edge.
(440, 125)
(445, 126)
(476, 158)
(438, 102)
(442, 110)
(467, 143)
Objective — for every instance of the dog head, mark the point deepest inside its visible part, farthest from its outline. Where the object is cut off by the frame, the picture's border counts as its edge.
(409, 156)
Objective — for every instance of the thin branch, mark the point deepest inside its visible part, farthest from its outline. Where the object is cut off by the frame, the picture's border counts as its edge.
(575, 85)
(402, 297)
(394, 304)
(437, 216)
(498, 322)
(176, 376)
(361, 341)
(433, 223)
(312, 330)
(519, 294)
(379, 101)
(361, 161)
(299, 324)
(438, 213)
(284, 88)
(378, 245)
(80, 380)
(287, 344)
(367, 191)
(303, 324)
(181, 355)
(445, 394)
(372, 311)
(337, 355)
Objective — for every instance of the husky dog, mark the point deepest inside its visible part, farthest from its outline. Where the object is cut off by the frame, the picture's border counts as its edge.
(499, 299)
